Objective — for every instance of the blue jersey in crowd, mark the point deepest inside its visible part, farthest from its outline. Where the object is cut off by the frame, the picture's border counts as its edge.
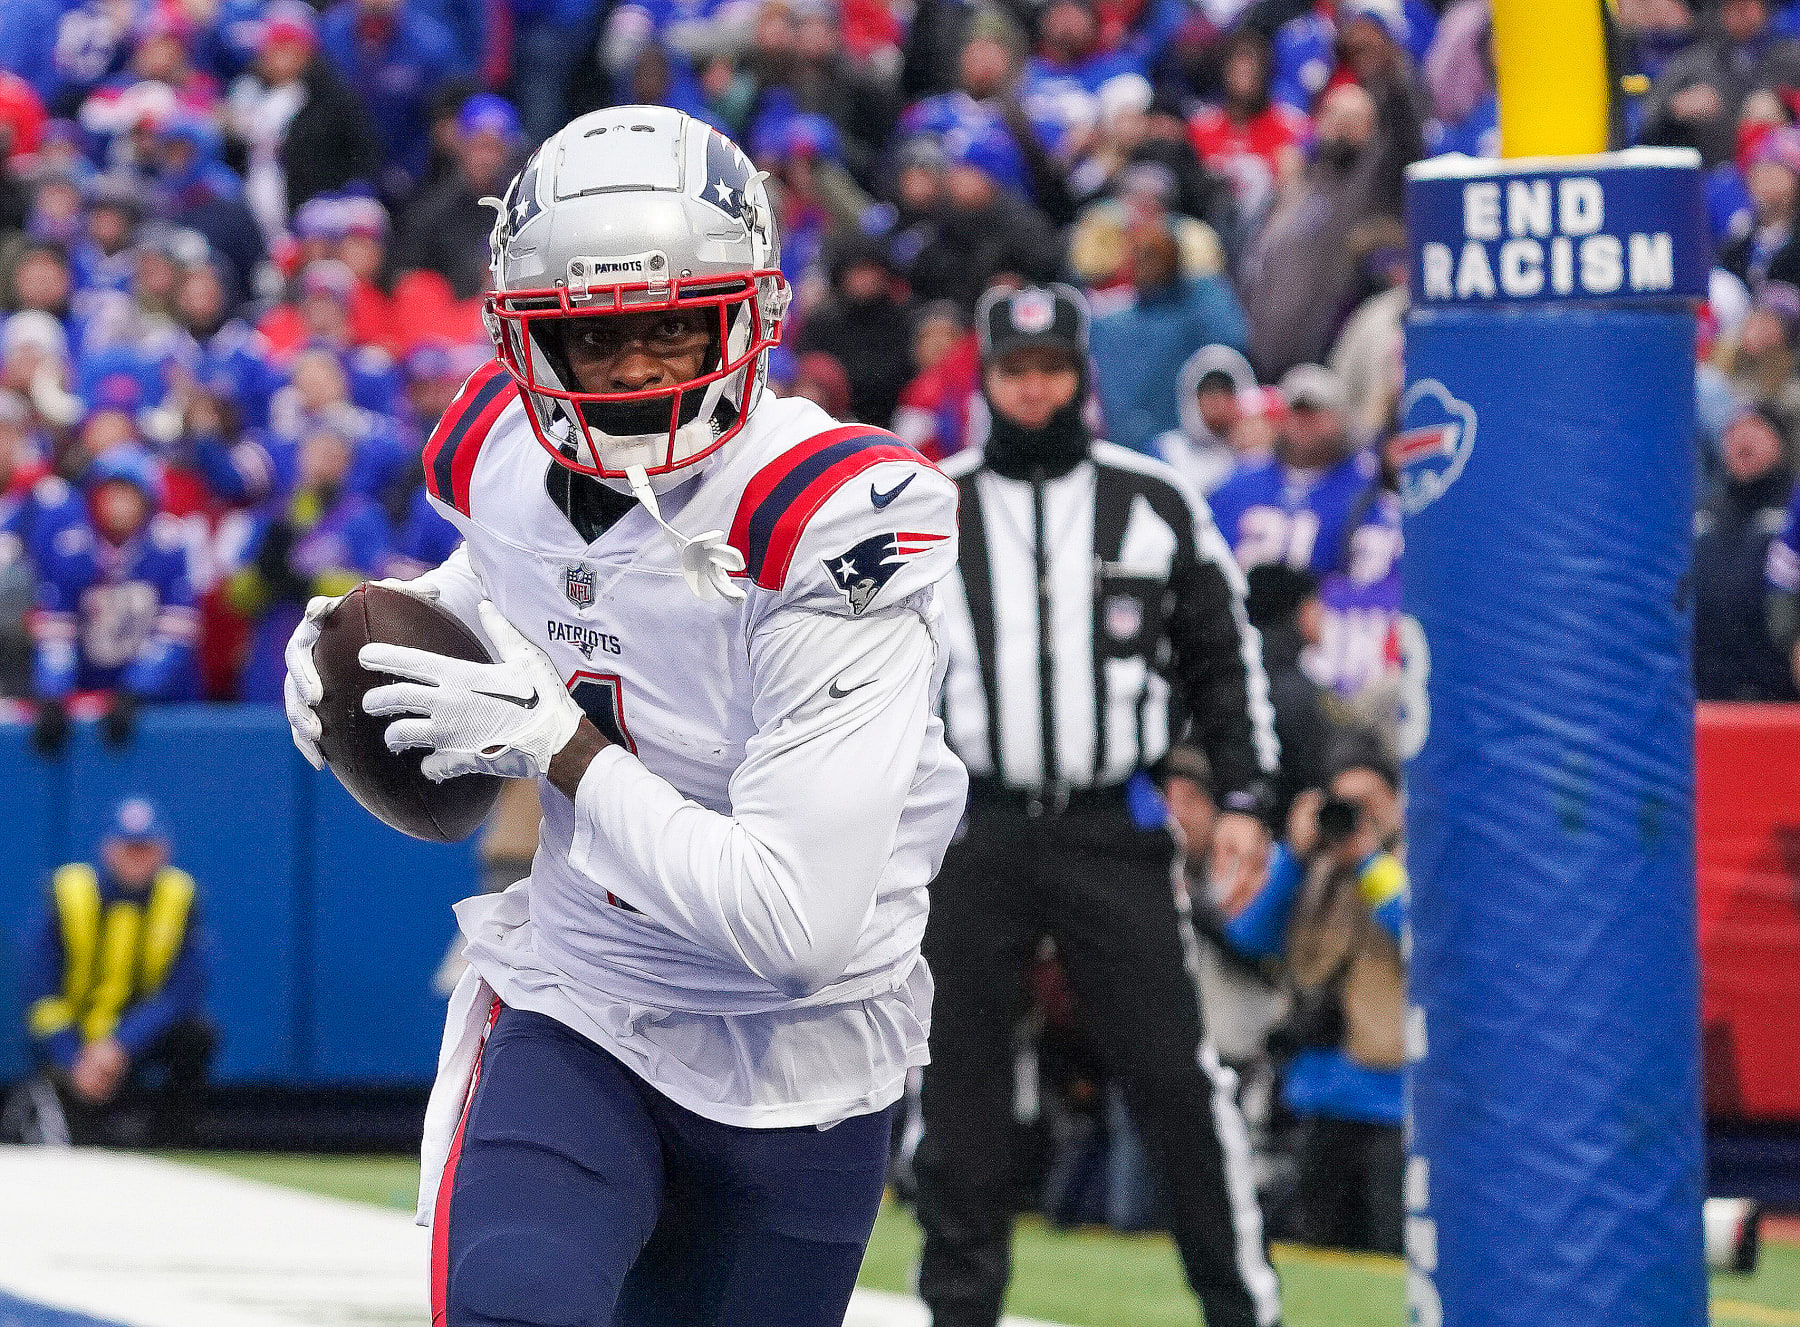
(394, 66)
(116, 618)
(1275, 513)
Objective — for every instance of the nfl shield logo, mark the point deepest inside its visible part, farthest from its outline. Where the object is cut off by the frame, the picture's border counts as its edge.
(578, 584)
(1033, 310)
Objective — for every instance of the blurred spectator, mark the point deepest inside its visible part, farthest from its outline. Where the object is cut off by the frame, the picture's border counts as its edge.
(1249, 138)
(1367, 353)
(1458, 75)
(1064, 78)
(320, 321)
(32, 344)
(101, 258)
(1282, 603)
(41, 280)
(1300, 270)
(819, 378)
(1355, 653)
(435, 372)
(1782, 575)
(319, 396)
(1333, 907)
(1139, 351)
(1694, 101)
(395, 54)
(115, 606)
(1734, 658)
(983, 231)
(800, 47)
(28, 31)
(54, 215)
(934, 411)
(1213, 392)
(117, 967)
(1766, 250)
(1296, 508)
(1760, 361)
(195, 189)
(224, 350)
(323, 539)
(865, 328)
(547, 45)
(1240, 1002)
(20, 474)
(304, 132)
(449, 227)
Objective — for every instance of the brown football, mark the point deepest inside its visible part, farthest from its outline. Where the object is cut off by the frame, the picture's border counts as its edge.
(389, 785)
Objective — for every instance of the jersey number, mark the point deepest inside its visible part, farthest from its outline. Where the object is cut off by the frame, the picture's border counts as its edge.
(602, 698)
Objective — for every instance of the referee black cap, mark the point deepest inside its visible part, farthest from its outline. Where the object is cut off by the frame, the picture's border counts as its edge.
(1055, 315)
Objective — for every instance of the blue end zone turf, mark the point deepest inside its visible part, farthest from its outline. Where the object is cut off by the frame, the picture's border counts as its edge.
(23, 1313)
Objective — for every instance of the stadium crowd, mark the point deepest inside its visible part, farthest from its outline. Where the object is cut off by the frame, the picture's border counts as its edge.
(243, 247)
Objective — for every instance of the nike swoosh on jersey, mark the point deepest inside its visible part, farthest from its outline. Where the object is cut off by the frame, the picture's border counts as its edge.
(882, 499)
(531, 704)
(835, 693)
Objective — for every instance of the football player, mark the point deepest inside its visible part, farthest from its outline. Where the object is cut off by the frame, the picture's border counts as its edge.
(665, 1088)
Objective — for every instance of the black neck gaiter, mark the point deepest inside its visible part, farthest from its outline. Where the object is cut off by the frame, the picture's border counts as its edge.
(1054, 450)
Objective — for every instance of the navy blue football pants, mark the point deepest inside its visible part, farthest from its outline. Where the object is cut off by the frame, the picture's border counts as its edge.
(579, 1196)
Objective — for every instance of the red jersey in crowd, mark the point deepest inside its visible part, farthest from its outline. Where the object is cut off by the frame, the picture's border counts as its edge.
(1247, 154)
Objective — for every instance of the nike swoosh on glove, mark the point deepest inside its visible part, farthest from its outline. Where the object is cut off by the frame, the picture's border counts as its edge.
(508, 718)
(302, 690)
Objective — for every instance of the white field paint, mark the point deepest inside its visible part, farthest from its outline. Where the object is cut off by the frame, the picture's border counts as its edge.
(152, 1243)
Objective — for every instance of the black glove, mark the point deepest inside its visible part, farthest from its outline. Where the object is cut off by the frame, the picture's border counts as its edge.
(120, 717)
(50, 733)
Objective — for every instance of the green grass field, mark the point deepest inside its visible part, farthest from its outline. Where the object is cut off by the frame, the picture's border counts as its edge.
(1085, 1278)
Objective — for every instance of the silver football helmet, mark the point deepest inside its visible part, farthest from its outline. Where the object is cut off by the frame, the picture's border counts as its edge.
(626, 210)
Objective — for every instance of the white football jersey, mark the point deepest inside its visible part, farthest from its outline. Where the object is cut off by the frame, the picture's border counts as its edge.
(733, 903)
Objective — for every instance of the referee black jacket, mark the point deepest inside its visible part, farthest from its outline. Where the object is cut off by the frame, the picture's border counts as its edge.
(1095, 618)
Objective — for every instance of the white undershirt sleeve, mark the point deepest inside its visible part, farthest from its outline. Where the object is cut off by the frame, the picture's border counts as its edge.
(787, 881)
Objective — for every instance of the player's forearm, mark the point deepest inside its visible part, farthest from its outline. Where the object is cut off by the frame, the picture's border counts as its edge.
(783, 884)
(569, 764)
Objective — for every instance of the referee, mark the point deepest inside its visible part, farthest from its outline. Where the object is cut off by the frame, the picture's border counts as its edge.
(1096, 605)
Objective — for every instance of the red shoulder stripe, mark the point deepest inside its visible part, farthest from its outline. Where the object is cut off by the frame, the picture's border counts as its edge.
(450, 454)
(790, 525)
(784, 495)
(770, 476)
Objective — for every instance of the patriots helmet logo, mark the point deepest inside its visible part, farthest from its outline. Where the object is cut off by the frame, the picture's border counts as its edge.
(860, 572)
(728, 177)
(1437, 433)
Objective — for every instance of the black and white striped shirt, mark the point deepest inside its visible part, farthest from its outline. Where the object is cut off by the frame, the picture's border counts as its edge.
(1078, 600)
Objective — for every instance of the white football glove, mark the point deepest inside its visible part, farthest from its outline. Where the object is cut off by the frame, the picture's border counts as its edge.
(303, 689)
(507, 718)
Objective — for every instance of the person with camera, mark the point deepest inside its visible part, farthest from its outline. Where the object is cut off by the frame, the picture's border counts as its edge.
(1333, 906)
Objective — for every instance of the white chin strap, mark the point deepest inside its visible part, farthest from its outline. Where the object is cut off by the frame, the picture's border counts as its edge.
(707, 561)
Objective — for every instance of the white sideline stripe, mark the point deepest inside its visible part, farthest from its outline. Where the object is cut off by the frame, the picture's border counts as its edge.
(153, 1243)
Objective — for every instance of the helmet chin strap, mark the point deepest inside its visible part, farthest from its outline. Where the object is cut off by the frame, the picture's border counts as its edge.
(707, 561)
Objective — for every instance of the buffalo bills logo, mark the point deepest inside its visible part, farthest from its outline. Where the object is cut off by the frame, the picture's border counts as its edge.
(1437, 434)
(578, 584)
(860, 573)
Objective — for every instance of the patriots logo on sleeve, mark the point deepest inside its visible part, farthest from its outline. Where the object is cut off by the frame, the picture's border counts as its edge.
(860, 572)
